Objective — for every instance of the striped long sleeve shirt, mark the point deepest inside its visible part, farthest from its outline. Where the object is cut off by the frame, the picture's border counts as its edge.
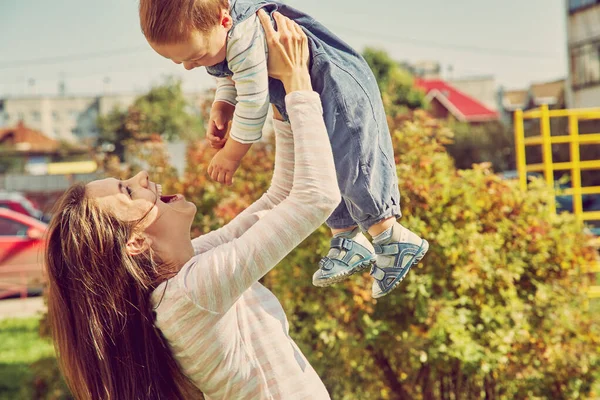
(248, 88)
(228, 332)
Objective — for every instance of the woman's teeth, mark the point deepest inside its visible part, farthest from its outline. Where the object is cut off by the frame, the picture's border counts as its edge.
(165, 198)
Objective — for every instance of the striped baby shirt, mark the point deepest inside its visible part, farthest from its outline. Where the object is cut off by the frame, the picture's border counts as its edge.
(248, 88)
(228, 332)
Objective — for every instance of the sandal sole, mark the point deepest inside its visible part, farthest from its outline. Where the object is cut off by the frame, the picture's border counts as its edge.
(362, 265)
(418, 257)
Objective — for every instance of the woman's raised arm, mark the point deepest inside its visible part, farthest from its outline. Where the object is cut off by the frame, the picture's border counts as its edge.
(219, 276)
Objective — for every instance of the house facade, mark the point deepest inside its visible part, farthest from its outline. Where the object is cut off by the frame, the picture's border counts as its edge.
(67, 118)
(583, 46)
(550, 93)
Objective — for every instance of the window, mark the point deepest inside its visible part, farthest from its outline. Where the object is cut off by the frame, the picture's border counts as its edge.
(9, 227)
(36, 116)
(585, 64)
(575, 5)
(55, 116)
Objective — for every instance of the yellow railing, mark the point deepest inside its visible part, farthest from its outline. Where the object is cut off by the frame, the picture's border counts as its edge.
(575, 165)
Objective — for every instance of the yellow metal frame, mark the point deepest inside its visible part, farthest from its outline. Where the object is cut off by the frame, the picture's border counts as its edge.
(546, 140)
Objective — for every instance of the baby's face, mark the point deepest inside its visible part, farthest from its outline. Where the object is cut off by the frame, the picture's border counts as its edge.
(200, 50)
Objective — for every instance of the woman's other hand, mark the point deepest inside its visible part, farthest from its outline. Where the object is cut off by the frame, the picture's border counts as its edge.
(288, 52)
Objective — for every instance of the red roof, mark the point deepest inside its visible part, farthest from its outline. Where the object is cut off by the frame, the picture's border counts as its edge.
(462, 106)
(28, 140)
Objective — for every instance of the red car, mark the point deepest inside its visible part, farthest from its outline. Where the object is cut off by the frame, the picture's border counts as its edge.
(18, 202)
(21, 253)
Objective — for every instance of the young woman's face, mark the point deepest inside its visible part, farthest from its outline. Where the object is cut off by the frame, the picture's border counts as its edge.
(140, 199)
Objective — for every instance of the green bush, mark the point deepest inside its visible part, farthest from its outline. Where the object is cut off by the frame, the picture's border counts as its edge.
(494, 311)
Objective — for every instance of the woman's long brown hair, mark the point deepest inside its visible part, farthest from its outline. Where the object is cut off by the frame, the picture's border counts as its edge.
(99, 308)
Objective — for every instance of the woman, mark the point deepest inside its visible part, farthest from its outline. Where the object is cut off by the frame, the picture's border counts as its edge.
(140, 311)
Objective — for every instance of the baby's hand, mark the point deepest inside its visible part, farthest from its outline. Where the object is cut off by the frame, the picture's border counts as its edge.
(220, 115)
(222, 167)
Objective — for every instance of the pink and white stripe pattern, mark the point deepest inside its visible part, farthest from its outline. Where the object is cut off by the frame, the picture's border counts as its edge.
(230, 333)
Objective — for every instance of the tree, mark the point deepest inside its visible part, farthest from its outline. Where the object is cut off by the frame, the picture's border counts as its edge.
(163, 111)
(397, 87)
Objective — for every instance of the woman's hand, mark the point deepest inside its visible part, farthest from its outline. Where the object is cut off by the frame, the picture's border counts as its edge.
(288, 52)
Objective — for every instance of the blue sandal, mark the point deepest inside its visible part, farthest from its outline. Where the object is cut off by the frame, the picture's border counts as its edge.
(353, 257)
(406, 255)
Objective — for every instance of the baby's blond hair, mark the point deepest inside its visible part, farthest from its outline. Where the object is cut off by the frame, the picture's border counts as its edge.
(173, 21)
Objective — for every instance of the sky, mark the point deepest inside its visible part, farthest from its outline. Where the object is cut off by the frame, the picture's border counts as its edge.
(97, 47)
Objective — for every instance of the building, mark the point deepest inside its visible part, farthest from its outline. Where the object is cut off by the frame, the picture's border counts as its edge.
(583, 46)
(482, 88)
(447, 102)
(426, 69)
(36, 152)
(23, 139)
(67, 118)
(31, 147)
(63, 118)
(550, 93)
(511, 101)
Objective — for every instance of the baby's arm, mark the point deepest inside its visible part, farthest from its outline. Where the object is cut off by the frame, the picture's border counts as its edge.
(248, 61)
(221, 112)
(226, 91)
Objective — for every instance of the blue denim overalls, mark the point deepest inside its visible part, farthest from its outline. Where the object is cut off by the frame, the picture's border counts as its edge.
(354, 117)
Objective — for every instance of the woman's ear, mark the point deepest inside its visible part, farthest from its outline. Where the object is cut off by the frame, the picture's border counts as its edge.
(138, 244)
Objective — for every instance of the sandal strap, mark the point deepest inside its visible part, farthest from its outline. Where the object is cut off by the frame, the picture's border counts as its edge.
(342, 243)
(382, 275)
(352, 249)
(393, 249)
(377, 273)
(326, 263)
(350, 245)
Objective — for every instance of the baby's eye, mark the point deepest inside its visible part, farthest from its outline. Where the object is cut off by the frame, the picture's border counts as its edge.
(129, 191)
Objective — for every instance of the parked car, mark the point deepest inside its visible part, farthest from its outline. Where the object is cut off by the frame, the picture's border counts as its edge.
(18, 202)
(21, 251)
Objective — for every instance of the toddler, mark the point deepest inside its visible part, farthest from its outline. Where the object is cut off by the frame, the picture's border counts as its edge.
(228, 39)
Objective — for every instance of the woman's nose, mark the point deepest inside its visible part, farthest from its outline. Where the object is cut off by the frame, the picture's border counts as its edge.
(141, 179)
